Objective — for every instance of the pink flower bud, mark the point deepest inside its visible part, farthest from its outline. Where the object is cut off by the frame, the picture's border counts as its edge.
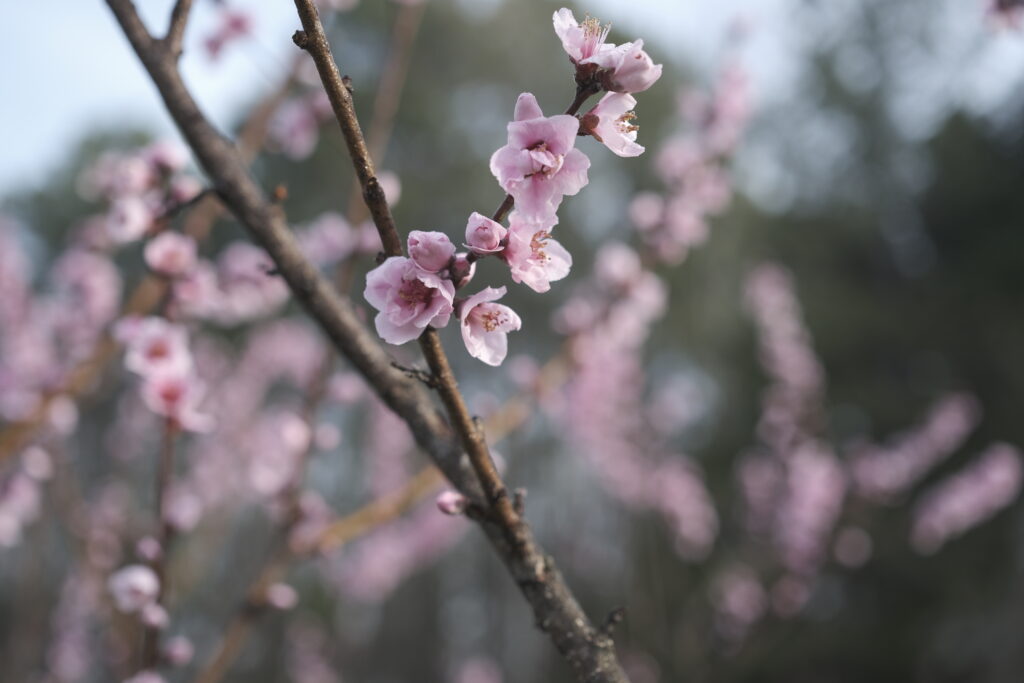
(632, 69)
(451, 503)
(171, 254)
(431, 251)
(179, 651)
(462, 270)
(281, 596)
(148, 549)
(154, 616)
(133, 587)
(484, 236)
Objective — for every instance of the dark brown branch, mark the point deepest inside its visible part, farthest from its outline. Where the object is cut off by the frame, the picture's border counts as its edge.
(335, 315)
(588, 651)
(176, 27)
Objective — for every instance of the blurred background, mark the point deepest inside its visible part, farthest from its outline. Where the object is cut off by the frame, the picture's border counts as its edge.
(792, 457)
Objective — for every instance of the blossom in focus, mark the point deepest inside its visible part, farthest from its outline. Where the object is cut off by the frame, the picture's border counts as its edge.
(629, 69)
(133, 587)
(611, 123)
(432, 251)
(534, 258)
(622, 68)
(484, 236)
(540, 164)
(171, 254)
(408, 298)
(581, 41)
(485, 325)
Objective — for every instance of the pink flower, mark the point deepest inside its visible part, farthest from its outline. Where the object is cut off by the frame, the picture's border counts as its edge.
(534, 258)
(611, 123)
(581, 41)
(539, 165)
(462, 270)
(484, 236)
(431, 251)
(154, 345)
(451, 503)
(408, 298)
(622, 68)
(171, 254)
(281, 596)
(485, 325)
(133, 587)
(167, 156)
(176, 396)
(628, 68)
(129, 219)
(179, 651)
(233, 25)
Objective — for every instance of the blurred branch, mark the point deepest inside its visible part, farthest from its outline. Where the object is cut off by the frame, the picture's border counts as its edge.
(389, 93)
(588, 651)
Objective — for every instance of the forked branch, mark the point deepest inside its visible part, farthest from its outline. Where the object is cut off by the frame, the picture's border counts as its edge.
(589, 651)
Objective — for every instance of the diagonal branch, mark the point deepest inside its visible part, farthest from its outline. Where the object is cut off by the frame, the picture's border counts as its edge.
(588, 651)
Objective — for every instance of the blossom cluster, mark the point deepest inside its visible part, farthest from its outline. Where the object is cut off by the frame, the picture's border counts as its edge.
(141, 186)
(692, 166)
(795, 486)
(538, 167)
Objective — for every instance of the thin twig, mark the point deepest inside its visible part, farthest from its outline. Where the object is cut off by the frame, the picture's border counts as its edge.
(176, 27)
(588, 651)
(164, 475)
(389, 93)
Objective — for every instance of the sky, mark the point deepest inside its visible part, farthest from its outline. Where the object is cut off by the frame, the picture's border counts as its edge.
(79, 74)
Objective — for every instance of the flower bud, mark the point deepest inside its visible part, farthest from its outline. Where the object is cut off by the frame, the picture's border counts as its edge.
(431, 251)
(484, 236)
(451, 503)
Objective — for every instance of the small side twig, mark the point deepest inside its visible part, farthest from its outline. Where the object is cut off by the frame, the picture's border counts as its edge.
(417, 373)
(176, 27)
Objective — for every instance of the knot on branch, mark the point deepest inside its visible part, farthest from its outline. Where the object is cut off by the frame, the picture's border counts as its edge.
(373, 193)
(301, 40)
(416, 373)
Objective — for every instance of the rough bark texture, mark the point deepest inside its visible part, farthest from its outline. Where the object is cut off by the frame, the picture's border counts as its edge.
(588, 650)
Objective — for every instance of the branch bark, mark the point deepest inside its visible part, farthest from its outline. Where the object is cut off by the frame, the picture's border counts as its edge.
(588, 651)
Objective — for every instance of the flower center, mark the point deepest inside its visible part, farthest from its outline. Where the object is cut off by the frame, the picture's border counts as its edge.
(593, 36)
(172, 393)
(158, 350)
(537, 244)
(625, 123)
(415, 292)
(490, 318)
(545, 161)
